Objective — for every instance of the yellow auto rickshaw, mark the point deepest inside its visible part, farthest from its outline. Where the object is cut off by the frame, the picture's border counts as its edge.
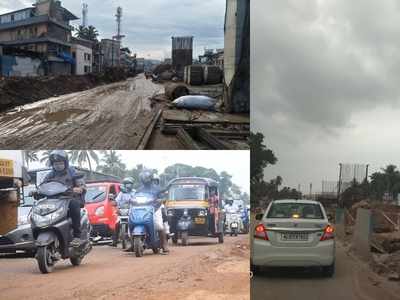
(194, 208)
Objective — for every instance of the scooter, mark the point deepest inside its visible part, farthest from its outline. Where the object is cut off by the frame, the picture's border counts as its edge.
(123, 214)
(142, 230)
(52, 230)
(233, 223)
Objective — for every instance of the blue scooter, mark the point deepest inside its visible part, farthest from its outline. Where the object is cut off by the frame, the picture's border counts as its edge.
(141, 224)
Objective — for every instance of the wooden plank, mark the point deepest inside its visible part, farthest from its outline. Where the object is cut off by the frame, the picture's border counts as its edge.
(186, 140)
(212, 140)
(149, 130)
(186, 116)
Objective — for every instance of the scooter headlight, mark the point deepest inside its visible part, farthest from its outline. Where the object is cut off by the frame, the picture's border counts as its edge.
(170, 213)
(42, 221)
(185, 213)
(46, 207)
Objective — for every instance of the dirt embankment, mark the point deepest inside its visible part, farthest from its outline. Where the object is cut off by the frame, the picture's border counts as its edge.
(15, 91)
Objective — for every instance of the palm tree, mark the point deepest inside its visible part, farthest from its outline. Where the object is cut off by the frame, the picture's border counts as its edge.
(29, 156)
(46, 157)
(88, 33)
(112, 164)
(84, 156)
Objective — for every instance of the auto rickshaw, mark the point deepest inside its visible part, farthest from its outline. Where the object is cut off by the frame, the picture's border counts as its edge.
(194, 209)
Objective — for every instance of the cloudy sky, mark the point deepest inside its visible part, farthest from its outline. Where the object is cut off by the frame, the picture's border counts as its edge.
(149, 25)
(159, 159)
(325, 85)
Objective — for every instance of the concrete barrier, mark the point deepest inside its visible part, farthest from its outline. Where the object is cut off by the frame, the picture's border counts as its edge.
(340, 223)
(362, 234)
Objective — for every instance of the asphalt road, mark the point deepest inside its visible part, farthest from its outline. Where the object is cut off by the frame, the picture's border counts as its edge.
(353, 281)
(112, 116)
(202, 270)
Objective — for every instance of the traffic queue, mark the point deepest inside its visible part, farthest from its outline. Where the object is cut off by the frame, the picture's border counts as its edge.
(64, 216)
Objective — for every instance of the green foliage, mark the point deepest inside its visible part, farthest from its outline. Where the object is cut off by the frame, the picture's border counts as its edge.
(88, 33)
(386, 181)
(111, 164)
(84, 156)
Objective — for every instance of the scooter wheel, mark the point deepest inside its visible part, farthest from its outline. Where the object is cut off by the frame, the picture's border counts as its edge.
(138, 246)
(75, 261)
(43, 256)
(185, 238)
(156, 250)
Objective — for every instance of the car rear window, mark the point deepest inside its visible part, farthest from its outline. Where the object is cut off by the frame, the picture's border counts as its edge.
(295, 210)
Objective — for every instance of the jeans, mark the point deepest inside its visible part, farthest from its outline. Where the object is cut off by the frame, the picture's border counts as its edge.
(75, 214)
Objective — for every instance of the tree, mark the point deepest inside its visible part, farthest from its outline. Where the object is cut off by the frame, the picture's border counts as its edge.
(260, 158)
(111, 164)
(386, 181)
(84, 156)
(46, 157)
(30, 156)
(88, 33)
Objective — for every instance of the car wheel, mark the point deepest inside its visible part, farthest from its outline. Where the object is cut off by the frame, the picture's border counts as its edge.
(328, 271)
(255, 270)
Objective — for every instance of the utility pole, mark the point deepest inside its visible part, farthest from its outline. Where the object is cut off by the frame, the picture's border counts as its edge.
(310, 190)
(339, 184)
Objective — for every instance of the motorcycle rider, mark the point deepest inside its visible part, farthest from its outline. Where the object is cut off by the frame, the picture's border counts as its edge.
(148, 186)
(156, 181)
(64, 173)
(124, 197)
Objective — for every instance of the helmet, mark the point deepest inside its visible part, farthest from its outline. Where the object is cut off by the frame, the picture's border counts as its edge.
(146, 176)
(128, 184)
(58, 160)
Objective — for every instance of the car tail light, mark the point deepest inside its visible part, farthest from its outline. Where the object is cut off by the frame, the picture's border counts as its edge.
(328, 233)
(260, 232)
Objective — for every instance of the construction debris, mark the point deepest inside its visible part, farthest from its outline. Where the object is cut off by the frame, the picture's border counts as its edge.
(174, 91)
(16, 91)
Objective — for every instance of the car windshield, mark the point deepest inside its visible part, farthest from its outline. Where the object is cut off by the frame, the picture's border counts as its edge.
(96, 193)
(295, 210)
(52, 188)
(187, 192)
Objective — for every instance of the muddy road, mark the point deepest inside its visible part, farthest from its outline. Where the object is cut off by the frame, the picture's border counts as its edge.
(112, 116)
(353, 281)
(203, 270)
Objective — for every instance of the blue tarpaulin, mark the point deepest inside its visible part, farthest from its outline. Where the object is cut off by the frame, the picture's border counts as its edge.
(67, 57)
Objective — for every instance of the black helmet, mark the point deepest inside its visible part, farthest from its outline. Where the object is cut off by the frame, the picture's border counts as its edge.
(127, 184)
(56, 157)
(146, 176)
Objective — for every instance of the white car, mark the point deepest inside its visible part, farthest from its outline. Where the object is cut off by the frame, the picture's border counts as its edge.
(294, 233)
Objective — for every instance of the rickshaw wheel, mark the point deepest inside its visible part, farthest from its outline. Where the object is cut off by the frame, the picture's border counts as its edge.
(185, 238)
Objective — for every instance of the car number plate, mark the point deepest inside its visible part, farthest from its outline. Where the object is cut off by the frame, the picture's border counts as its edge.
(234, 225)
(199, 220)
(294, 236)
(6, 168)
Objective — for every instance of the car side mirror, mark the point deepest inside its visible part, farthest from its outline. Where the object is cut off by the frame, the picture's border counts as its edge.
(259, 217)
(330, 217)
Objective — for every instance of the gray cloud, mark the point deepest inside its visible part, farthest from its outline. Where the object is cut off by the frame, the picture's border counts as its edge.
(317, 66)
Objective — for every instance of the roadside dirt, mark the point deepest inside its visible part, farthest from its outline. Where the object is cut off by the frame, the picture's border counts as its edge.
(203, 270)
(113, 116)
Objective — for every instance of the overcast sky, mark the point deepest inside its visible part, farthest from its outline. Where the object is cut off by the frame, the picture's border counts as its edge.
(218, 160)
(149, 25)
(325, 85)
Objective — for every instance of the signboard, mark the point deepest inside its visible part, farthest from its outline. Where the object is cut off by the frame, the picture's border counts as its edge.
(6, 168)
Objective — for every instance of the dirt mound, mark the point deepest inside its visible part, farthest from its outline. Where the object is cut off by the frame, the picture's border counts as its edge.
(15, 91)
